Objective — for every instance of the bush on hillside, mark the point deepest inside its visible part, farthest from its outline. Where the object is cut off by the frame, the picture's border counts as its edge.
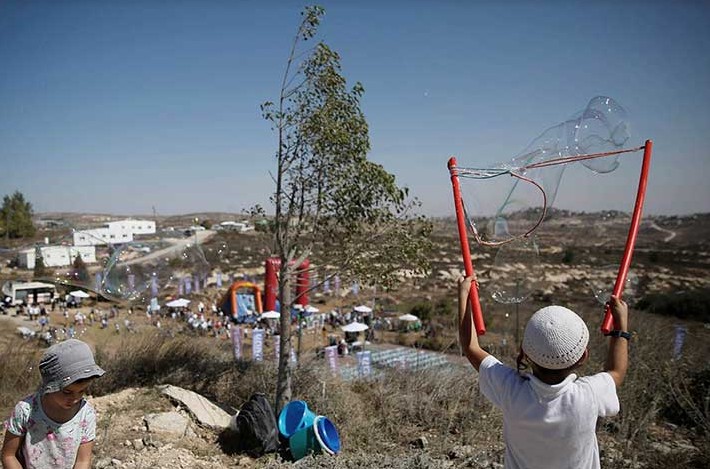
(694, 304)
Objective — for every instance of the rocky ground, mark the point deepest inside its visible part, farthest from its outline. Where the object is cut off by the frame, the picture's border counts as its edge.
(143, 428)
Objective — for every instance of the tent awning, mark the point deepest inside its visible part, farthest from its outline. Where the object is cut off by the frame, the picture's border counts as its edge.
(355, 327)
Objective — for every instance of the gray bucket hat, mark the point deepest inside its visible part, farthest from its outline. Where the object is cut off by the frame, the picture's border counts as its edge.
(65, 363)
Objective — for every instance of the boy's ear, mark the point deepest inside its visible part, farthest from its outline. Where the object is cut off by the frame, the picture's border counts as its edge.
(583, 358)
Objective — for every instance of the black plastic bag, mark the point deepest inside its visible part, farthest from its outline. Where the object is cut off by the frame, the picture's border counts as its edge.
(256, 429)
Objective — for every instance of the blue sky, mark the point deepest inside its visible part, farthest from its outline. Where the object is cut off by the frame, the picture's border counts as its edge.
(121, 106)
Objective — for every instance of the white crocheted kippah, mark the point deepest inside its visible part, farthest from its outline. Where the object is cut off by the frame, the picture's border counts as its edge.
(555, 338)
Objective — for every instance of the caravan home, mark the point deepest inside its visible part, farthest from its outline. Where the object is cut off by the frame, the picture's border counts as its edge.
(28, 292)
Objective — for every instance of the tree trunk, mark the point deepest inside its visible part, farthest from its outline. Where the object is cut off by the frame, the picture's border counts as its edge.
(283, 382)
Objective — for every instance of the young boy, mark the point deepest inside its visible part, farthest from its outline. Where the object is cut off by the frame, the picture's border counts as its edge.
(549, 416)
(55, 427)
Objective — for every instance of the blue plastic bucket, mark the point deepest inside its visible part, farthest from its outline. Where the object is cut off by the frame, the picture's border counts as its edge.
(321, 437)
(295, 416)
(327, 435)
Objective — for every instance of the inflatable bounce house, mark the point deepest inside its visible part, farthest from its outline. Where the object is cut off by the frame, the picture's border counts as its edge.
(242, 302)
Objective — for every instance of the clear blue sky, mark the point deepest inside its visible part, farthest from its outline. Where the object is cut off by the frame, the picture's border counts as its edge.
(119, 106)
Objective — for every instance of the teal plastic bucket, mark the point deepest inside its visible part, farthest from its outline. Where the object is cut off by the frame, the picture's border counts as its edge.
(295, 416)
(303, 442)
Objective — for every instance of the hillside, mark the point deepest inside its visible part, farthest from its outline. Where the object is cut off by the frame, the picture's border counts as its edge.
(426, 418)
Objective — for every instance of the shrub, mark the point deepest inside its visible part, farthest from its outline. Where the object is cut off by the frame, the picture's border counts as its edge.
(568, 256)
(20, 375)
(689, 400)
(423, 310)
(693, 304)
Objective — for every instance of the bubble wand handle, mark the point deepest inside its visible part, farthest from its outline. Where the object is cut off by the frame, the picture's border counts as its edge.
(607, 324)
(478, 323)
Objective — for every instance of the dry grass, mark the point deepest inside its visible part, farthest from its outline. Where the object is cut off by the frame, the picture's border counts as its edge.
(661, 397)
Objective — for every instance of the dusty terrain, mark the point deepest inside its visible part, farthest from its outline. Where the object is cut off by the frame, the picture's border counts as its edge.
(673, 254)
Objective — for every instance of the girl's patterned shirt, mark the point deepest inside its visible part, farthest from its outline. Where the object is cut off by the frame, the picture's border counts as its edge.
(47, 443)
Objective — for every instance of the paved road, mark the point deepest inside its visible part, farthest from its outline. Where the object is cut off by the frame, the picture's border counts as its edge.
(176, 245)
(671, 234)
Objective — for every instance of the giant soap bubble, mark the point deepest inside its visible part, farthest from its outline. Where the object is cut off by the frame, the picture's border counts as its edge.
(522, 189)
(516, 271)
(601, 284)
(133, 274)
(74, 259)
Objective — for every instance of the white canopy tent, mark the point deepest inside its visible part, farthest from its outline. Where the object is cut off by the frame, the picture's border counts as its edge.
(79, 294)
(355, 327)
(362, 309)
(408, 318)
(271, 315)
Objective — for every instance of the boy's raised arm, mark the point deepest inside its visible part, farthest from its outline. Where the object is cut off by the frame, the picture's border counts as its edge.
(617, 360)
(467, 334)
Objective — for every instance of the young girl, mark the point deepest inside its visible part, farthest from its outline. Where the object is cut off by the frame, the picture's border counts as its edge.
(55, 427)
(549, 415)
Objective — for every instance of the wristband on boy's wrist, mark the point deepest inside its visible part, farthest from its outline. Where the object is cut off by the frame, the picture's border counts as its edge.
(622, 334)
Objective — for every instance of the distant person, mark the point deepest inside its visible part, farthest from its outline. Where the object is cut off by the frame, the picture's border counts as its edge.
(55, 427)
(549, 415)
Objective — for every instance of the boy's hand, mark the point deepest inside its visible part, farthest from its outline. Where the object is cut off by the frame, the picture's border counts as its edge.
(620, 313)
(465, 285)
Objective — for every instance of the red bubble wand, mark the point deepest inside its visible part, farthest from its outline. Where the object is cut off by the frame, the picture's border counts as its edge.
(462, 220)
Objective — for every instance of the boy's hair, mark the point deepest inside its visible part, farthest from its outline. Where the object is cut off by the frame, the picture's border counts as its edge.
(555, 338)
(546, 375)
(66, 363)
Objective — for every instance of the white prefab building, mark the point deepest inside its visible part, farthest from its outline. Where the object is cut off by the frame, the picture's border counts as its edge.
(236, 226)
(57, 256)
(114, 232)
(100, 236)
(137, 227)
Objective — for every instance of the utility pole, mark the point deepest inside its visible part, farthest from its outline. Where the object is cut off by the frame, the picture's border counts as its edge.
(300, 335)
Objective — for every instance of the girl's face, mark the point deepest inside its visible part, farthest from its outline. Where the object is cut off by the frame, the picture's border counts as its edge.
(68, 397)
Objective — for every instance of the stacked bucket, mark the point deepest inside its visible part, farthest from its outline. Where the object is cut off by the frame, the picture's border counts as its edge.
(307, 432)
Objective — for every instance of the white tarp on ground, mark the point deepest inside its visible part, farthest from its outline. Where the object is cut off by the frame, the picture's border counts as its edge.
(179, 303)
(355, 327)
(25, 332)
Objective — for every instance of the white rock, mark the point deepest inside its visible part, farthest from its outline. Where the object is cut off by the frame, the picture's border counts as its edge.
(206, 412)
(167, 422)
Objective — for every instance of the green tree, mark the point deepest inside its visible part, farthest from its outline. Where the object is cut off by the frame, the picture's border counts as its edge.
(79, 271)
(40, 271)
(16, 216)
(329, 199)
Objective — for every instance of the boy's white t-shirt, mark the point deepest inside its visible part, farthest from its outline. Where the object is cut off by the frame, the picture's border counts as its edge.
(548, 426)
(48, 443)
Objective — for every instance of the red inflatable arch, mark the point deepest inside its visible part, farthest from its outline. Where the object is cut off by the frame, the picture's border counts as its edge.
(271, 283)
